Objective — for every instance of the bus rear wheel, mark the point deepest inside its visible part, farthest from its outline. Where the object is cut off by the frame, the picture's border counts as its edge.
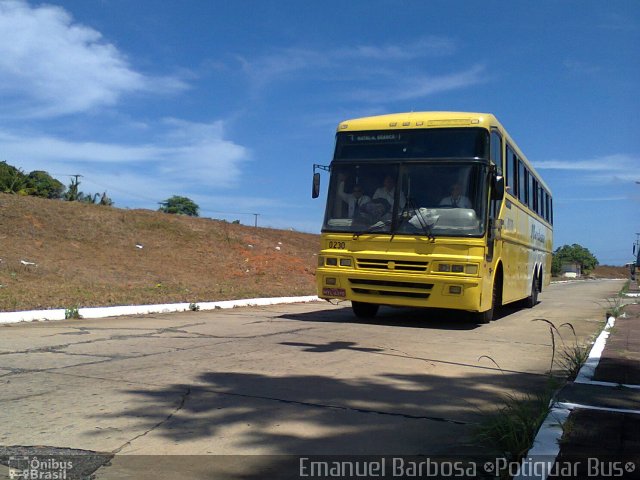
(532, 300)
(364, 310)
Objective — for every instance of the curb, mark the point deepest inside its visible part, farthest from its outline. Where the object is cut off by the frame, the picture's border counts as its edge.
(587, 371)
(103, 312)
(547, 441)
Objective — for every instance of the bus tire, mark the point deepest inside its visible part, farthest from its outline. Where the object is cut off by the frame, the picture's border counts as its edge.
(364, 310)
(496, 302)
(532, 300)
(483, 317)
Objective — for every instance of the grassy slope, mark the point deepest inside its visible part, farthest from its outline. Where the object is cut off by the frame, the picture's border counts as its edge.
(86, 255)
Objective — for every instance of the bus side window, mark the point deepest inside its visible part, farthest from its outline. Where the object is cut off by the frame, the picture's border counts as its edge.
(547, 211)
(512, 171)
(496, 150)
(531, 191)
(522, 182)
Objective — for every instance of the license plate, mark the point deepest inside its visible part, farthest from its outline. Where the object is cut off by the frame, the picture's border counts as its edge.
(334, 292)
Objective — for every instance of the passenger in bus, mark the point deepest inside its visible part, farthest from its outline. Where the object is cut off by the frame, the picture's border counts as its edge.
(456, 199)
(354, 200)
(388, 191)
(377, 210)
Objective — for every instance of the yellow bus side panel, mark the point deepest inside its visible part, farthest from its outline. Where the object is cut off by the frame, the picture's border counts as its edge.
(526, 250)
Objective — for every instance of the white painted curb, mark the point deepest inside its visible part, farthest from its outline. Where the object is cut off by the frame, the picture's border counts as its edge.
(102, 312)
(585, 375)
(547, 441)
(545, 447)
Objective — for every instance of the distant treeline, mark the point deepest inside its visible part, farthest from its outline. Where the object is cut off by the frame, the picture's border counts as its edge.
(40, 184)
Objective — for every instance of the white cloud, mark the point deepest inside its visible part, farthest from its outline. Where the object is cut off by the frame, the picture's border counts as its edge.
(581, 68)
(360, 62)
(420, 86)
(270, 68)
(618, 198)
(616, 168)
(430, 46)
(607, 163)
(43, 148)
(52, 66)
(187, 152)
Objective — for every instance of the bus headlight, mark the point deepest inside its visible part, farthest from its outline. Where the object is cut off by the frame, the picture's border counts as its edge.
(345, 262)
(467, 269)
(331, 262)
(471, 269)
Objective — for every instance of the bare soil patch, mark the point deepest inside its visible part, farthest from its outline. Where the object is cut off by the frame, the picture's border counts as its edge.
(610, 271)
(56, 254)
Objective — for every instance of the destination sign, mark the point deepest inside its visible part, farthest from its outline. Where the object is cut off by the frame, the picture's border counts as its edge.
(375, 138)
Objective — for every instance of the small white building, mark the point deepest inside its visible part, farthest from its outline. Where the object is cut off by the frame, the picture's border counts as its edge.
(571, 270)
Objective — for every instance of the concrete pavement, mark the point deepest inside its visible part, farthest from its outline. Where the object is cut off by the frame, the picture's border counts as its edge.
(277, 380)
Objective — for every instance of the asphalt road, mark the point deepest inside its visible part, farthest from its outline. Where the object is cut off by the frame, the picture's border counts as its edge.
(292, 379)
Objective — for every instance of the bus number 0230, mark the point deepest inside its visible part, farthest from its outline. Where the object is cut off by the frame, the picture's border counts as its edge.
(337, 245)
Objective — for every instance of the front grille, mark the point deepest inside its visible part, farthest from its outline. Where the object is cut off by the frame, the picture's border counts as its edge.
(391, 265)
(391, 288)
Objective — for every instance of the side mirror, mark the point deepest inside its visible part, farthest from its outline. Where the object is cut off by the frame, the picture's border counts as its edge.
(498, 187)
(315, 189)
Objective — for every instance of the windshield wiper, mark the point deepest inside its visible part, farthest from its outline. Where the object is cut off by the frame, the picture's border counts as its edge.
(405, 216)
(376, 226)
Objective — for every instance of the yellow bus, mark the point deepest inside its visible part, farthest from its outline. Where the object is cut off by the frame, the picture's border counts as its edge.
(433, 209)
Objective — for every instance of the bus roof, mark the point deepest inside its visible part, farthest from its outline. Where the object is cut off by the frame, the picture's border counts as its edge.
(413, 120)
(419, 120)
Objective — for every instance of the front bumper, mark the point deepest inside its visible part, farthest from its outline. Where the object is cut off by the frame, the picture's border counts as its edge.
(424, 290)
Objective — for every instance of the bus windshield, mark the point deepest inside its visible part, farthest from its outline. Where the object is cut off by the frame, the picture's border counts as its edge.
(431, 198)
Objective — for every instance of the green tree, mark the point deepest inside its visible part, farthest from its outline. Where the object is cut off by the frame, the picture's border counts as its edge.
(179, 205)
(40, 184)
(573, 253)
(73, 193)
(105, 200)
(12, 179)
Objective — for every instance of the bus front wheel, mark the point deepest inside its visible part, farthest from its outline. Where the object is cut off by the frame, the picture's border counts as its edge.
(483, 317)
(364, 310)
(496, 302)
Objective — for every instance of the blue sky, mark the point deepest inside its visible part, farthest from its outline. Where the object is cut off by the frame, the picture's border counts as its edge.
(231, 102)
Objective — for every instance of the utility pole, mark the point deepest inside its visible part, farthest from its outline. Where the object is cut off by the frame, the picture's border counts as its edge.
(73, 194)
(256, 219)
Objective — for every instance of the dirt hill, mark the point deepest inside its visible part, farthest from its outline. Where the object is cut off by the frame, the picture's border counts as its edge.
(610, 271)
(56, 254)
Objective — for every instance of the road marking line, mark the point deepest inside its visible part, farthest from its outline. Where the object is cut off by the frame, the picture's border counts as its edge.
(572, 406)
(610, 384)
